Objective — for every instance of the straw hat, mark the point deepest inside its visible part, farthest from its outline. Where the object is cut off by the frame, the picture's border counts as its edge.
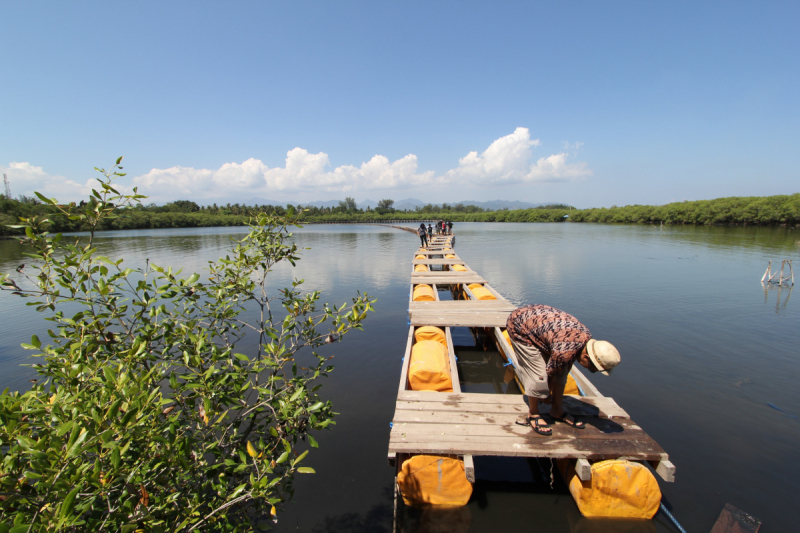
(603, 354)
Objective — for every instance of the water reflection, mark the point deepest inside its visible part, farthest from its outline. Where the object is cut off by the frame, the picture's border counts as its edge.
(702, 351)
(779, 289)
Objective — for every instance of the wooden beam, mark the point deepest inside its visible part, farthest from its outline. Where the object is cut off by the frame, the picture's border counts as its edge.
(469, 468)
(665, 469)
(445, 278)
(586, 386)
(406, 361)
(496, 294)
(448, 306)
(583, 469)
(469, 319)
(430, 261)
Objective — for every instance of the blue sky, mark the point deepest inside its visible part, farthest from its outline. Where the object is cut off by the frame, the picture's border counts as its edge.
(590, 103)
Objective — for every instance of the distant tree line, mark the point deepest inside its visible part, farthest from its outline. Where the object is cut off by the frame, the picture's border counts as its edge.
(762, 210)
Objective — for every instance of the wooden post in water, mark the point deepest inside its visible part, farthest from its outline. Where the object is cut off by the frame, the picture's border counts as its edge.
(767, 273)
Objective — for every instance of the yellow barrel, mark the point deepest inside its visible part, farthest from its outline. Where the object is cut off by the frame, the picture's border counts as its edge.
(618, 489)
(430, 333)
(420, 256)
(438, 480)
(482, 293)
(429, 368)
(450, 256)
(458, 268)
(474, 285)
(420, 268)
(423, 293)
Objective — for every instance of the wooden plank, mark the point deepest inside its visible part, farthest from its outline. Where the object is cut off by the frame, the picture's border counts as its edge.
(594, 450)
(406, 361)
(475, 418)
(583, 469)
(459, 319)
(430, 261)
(452, 362)
(461, 305)
(462, 275)
(468, 292)
(446, 278)
(505, 346)
(602, 407)
(435, 292)
(511, 426)
(469, 465)
(435, 252)
(733, 520)
(665, 469)
(585, 385)
(493, 291)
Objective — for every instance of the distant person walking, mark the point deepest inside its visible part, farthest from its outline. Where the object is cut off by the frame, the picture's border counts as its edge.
(430, 232)
(423, 235)
(450, 227)
(547, 342)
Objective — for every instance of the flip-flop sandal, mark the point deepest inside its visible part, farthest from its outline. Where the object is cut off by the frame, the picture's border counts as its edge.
(575, 424)
(544, 430)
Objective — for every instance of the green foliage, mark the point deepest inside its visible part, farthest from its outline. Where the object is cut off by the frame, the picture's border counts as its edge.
(765, 210)
(145, 416)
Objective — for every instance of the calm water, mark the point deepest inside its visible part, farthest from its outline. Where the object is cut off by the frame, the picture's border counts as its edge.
(704, 350)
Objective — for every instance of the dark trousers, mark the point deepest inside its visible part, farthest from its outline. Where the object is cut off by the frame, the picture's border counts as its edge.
(424, 240)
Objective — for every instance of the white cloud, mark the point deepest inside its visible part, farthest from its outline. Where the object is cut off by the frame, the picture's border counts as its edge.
(25, 178)
(507, 160)
(303, 172)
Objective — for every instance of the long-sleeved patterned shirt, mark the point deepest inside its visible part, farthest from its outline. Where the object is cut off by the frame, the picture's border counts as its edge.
(559, 335)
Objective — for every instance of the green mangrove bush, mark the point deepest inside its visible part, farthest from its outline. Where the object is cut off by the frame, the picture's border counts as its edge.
(145, 417)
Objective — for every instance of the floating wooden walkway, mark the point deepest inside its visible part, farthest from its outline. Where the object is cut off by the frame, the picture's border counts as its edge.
(470, 424)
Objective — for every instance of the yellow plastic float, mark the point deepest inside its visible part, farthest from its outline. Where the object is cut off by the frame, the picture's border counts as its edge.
(423, 293)
(420, 268)
(482, 293)
(434, 480)
(618, 489)
(458, 268)
(429, 368)
(430, 333)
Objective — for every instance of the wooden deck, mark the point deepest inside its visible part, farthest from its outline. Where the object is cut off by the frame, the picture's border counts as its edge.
(446, 278)
(469, 424)
(490, 424)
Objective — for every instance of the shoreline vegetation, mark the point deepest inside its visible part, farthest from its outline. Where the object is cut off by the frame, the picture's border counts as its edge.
(780, 210)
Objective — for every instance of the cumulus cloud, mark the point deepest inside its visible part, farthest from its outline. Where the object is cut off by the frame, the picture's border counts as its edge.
(25, 178)
(507, 160)
(303, 171)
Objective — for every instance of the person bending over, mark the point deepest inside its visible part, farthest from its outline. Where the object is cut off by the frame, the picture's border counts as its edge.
(547, 342)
